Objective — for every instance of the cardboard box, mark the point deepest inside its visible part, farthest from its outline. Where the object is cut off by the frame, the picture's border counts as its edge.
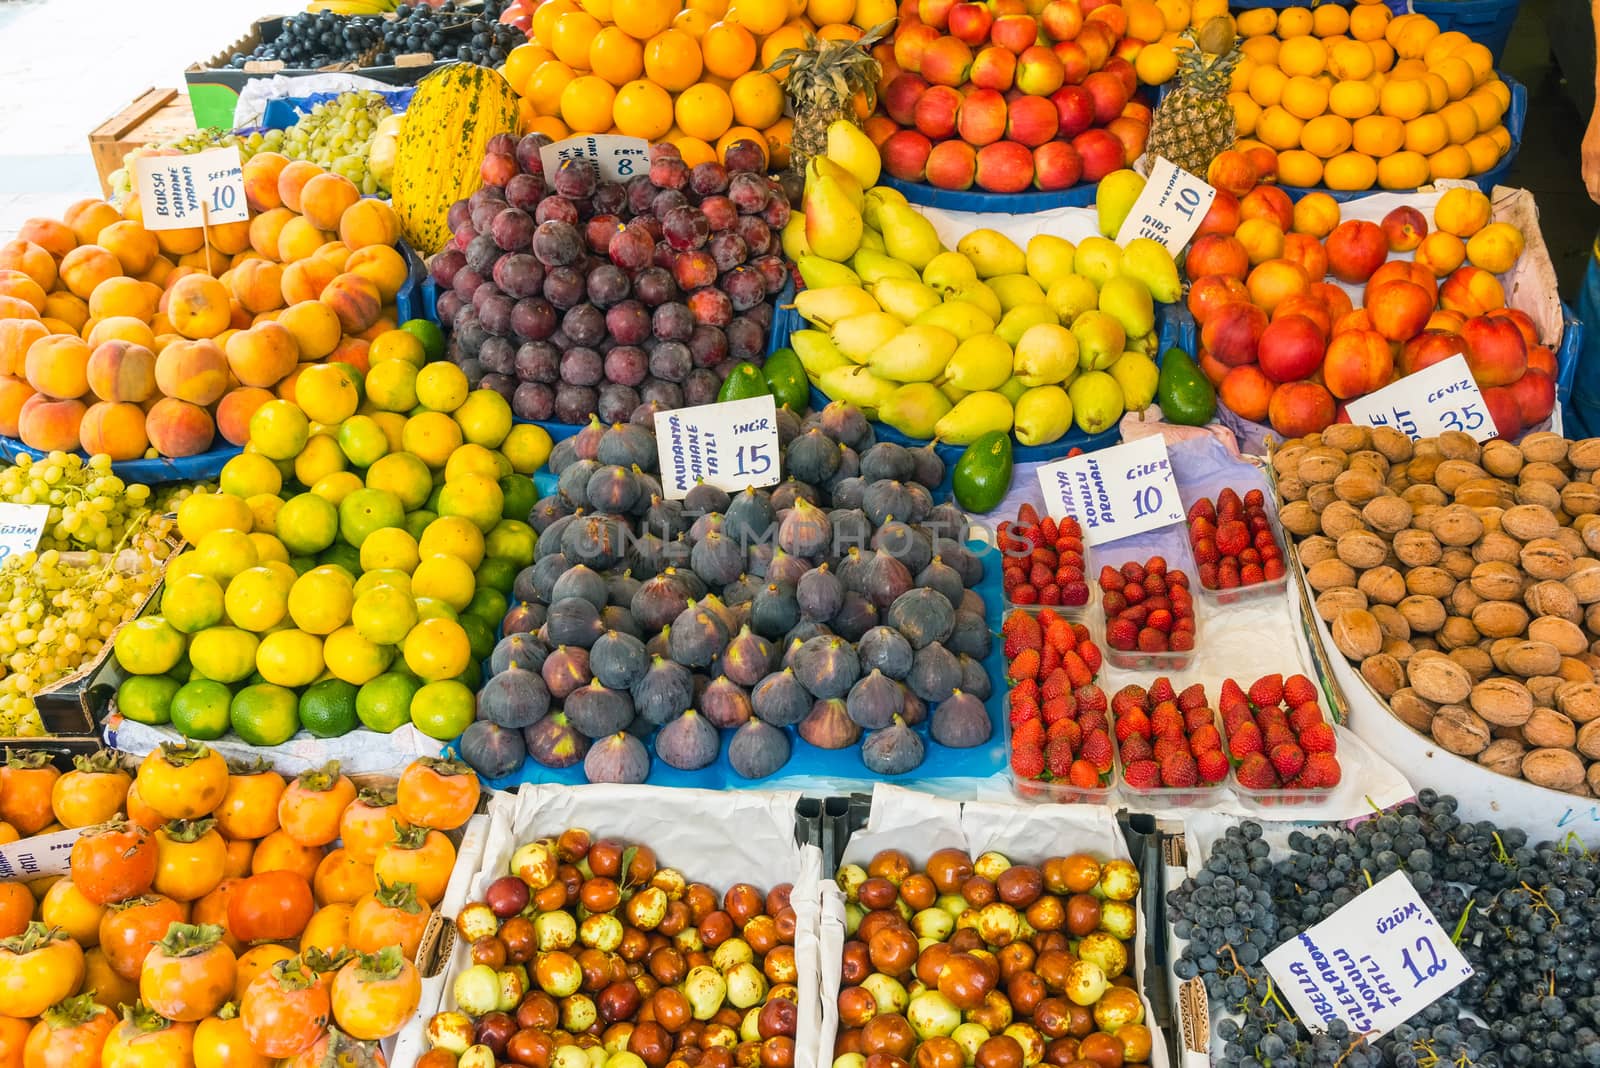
(155, 115)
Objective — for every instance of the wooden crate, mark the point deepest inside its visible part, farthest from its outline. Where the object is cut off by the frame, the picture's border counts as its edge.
(155, 115)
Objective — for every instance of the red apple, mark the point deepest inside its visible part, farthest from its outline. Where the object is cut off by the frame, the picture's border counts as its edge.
(910, 42)
(971, 22)
(1014, 32)
(1109, 95)
(982, 120)
(1005, 167)
(1132, 133)
(952, 165)
(905, 155)
(936, 112)
(947, 61)
(1074, 110)
(994, 68)
(1056, 165)
(1039, 72)
(1524, 321)
(1308, 306)
(1074, 61)
(1122, 67)
(1542, 359)
(1101, 153)
(1061, 19)
(935, 13)
(900, 98)
(1032, 121)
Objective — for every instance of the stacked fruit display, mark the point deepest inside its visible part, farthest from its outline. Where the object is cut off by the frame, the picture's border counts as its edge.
(130, 342)
(214, 907)
(1167, 740)
(727, 977)
(1277, 735)
(1232, 541)
(838, 603)
(1043, 560)
(999, 963)
(349, 576)
(1148, 609)
(1284, 345)
(1057, 715)
(589, 295)
(984, 338)
(1010, 96)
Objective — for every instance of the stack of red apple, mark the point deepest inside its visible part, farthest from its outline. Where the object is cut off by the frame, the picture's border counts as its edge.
(1285, 345)
(988, 94)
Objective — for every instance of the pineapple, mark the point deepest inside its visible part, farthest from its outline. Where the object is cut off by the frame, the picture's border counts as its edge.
(1195, 121)
(822, 83)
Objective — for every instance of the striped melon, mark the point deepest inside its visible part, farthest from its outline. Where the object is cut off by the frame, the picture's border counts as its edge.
(455, 112)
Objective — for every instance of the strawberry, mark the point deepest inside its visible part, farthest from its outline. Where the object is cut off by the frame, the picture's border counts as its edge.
(1134, 592)
(1113, 602)
(1026, 515)
(1029, 733)
(1070, 527)
(1179, 770)
(1025, 665)
(1255, 773)
(1065, 729)
(1244, 740)
(1058, 757)
(1020, 631)
(1142, 775)
(1254, 499)
(1136, 613)
(1155, 584)
(1176, 578)
(1237, 717)
(1182, 641)
(1089, 653)
(1231, 695)
(1097, 750)
(1160, 619)
(1024, 594)
(1228, 503)
(1252, 575)
(1192, 697)
(1090, 698)
(1161, 691)
(1305, 715)
(1157, 565)
(1075, 591)
(1028, 688)
(1084, 775)
(1288, 758)
(1227, 576)
(1127, 699)
(1039, 574)
(1091, 721)
(1022, 710)
(1067, 574)
(1297, 690)
(1152, 641)
(1111, 578)
(1202, 508)
(1276, 734)
(1133, 572)
(1266, 691)
(1196, 718)
(1208, 576)
(1122, 634)
(1050, 593)
(1318, 738)
(1166, 745)
(1166, 721)
(1027, 762)
(1212, 765)
(1048, 618)
(1077, 670)
(1249, 556)
(1205, 739)
(1136, 747)
(1043, 555)
(1048, 526)
(1321, 771)
(1058, 634)
(1201, 527)
(1132, 721)
(1055, 685)
(1057, 709)
(1049, 659)
(1273, 569)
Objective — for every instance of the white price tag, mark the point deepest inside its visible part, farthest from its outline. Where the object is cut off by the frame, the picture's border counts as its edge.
(1427, 403)
(180, 192)
(1170, 209)
(21, 527)
(1374, 964)
(730, 445)
(1115, 492)
(618, 158)
(36, 857)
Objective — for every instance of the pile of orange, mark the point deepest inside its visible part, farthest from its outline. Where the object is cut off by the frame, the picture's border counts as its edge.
(689, 72)
(1352, 98)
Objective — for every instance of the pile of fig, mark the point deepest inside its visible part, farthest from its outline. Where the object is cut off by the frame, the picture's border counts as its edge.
(832, 610)
(586, 946)
(988, 963)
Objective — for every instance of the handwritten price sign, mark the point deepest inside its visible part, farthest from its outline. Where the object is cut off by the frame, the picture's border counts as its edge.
(1170, 209)
(1115, 492)
(21, 527)
(36, 857)
(1425, 404)
(730, 445)
(618, 158)
(1374, 964)
(184, 192)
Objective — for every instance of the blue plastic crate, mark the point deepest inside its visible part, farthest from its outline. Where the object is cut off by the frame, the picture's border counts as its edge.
(1488, 22)
(162, 469)
(284, 112)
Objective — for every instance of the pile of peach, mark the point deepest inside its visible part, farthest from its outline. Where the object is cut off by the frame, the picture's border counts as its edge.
(130, 342)
(1284, 344)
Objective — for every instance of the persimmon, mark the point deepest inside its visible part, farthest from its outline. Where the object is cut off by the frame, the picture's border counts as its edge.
(240, 852)
(278, 852)
(256, 960)
(310, 806)
(418, 855)
(213, 909)
(190, 858)
(328, 929)
(16, 909)
(220, 1042)
(64, 906)
(13, 1040)
(182, 780)
(368, 823)
(437, 793)
(376, 994)
(70, 1034)
(109, 988)
(273, 906)
(249, 807)
(390, 915)
(92, 792)
(38, 968)
(336, 1047)
(141, 813)
(146, 1039)
(286, 1008)
(189, 974)
(340, 877)
(114, 862)
(129, 928)
(26, 782)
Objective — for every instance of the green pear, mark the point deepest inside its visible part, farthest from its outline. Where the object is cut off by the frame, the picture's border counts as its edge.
(859, 336)
(1049, 259)
(1149, 344)
(993, 253)
(962, 319)
(1015, 290)
(1096, 401)
(980, 362)
(949, 270)
(905, 299)
(1017, 321)
(1128, 302)
(915, 409)
(859, 387)
(816, 352)
(1114, 199)
(1097, 259)
(875, 266)
(818, 273)
(854, 151)
(1044, 414)
(877, 196)
(980, 295)
(870, 238)
(1138, 376)
(976, 415)
(907, 234)
(1072, 296)
(833, 219)
(827, 306)
(954, 394)
(1012, 389)
(1100, 340)
(1046, 355)
(1151, 263)
(823, 167)
(916, 354)
(794, 240)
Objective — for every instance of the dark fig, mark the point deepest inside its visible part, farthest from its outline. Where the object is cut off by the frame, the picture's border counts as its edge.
(929, 466)
(971, 602)
(573, 485)
(725, 704)
(774, 610)
(786, 568)
(812, 457)
(523, 650)
(647, 555)
(974, 679)
(688, 742)
(886, 460)
(719, 608)
(947, 521)
(758, 750)
(516, 698)
(828, 726)
(847, 492)
(915, 709)
(620, 758)
(618, 660)
(541, 579)
(849, 467)
(566, 669)
(791, 649)
(790, 492)
(881, 579)
(696, 637)
(554, 743)
(574, 621)
(748, 658)
(970, 636)
(885, 649)
(579, 581)
(675, 553)
(717, 559)
(750, 519)
(659, 601)
(704, 498)
(628, 447)
(664, 690)
(612, 489)
(586, 442)
(597, 711)
(855, 617)
(780, 699)
(874, 701)
(851, 530)
(524, 617)
(805, 531)
(844, 423)
(665, 518)
(819, 593)
(894, 750)
(921, 501)
(935, 673)
(940, 576)
(905, 543)
(885, 500)
(757, 558)
(742, 590)
(827, 667)
(660, 645)
(594, 540)
(961, 722)
(923, 616)
(551, 536)
(804, 631)
(788, 424)
(967, 564)
(620, 588)
(563, 455)
(706, 523)
(493, 751)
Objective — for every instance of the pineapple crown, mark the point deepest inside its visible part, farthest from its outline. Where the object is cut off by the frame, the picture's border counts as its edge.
(835, 68)
(1197, 69)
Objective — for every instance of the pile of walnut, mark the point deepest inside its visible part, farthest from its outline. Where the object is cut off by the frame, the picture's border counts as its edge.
(1463, 581)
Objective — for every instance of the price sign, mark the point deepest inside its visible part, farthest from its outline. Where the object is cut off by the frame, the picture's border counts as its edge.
(729, 445)
(21, 527)
(36, 857)
(1374, 964)
(618, 158)
(1170, 209)
(1114, 492)
(180, 192)
(1427, 403)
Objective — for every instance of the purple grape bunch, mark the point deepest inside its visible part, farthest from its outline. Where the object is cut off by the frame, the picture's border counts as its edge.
(586, 297)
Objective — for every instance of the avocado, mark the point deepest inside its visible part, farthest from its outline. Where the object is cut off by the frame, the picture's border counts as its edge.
(1185, 394)
(743, 382)
(786, 378)
(983, 474)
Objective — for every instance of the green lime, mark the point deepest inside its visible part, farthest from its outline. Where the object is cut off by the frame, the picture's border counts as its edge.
(433, 608)
(302, 564)
(429, 334)
(489, 605)
(307, 524)
(384, 703)
(366, 510)
(417, 521)
(200, 709)
(512, 539)
(472, 678)
(328, 708)
(345, 556)
(480, 634)
(192, 602)
(147, 698)
(443, 709)
(265, 714)
(497, 573)
(520, 496)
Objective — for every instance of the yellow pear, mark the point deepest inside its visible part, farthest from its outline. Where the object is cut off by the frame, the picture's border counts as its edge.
(823, 167)
(1047, 354)
(1097, 259)
(974, 416)
(915, 409)
(1018, 321)
(833, 219)
(1138, 376)
(1096, 401)
(905, 299)
(818, 273)
(949, 270)
(907, 234)
(1128, 302)
(875, 266)
(857, 386)
(859, 336)
(1072, 296)
(979, 294)
(993, 253)
(1114, 198)
(1151, 263)
(853, 150)
(872, 204)
(826, 306)
(1015, 290)
(916, 354)
(1044, 414)
(794, 238)
(1049, 259)
(1100, 340)
(980, 362)
(962, 319)
(816, 352)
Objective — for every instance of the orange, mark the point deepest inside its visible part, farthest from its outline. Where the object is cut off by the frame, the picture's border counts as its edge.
(1326, 136)
(739, 133)
(1403, 99)
(1457, 74)
(672, 60)
(1353, 100)
(644, 19)
(1438, 91)
(1382, 55)
(1302, 56)
(1299, 168)
(703, 112)
(1329, 20)
(1350, 171)
(1368, 21)
(586, 104)
(825, 13)
(1305, 97)
(1486, 106)
(1246, 113)
(1350, 61)
(642, 109)
(1501, 138)
(837, 32)
(757, 100)
(1480, 59)
(550, 126)
(544, 20)
(692, 22)
(784, 38)
(729, 49)
(1279, 129)
(1262, 51)
(521, 63)
(1451, 161)
(574, 32)
(760, 17)
(615, 56)
(1378, 135)
(1257, 22)
(1402, 170)
(1410, 35)
(1294, 22)
(1267, 85)
(779, 136)
(1460, 120)
(1483, 152)
(693, 150)
(1426, 134)
(546, 85)
(1444, 45)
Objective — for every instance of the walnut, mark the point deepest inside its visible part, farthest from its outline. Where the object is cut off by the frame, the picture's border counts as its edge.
(1382, 585)
(1547, 727)
(1417, 548)
(1384, 674)
(1412, 709)
(1439, 679)
(1456, 524)
(1357, 634)
(1545, 447)
(1503, 702)
(1504, 757)
(1347, 437)
(1459, 730)
(1501, 459)
(1423, 614)
(1394, 446)
(1340, 599)
(1557, 769)
(1360, 548)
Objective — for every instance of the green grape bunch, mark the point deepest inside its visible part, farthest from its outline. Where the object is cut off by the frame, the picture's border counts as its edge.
(90, 507)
